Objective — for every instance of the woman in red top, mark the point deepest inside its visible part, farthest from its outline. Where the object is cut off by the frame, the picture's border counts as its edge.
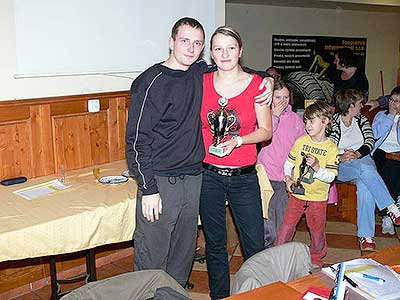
(232, 124)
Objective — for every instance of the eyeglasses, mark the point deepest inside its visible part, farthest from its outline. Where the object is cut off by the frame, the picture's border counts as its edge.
(394, 100)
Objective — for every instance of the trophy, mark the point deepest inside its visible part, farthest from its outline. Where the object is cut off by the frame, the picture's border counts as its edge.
(297, 187)
(220, 121)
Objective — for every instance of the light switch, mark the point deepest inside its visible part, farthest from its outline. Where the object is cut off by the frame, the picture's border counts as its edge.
(93, 105)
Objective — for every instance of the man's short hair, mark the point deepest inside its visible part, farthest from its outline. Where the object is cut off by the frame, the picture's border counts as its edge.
(344, 98)
(395, 91)
(186, 21)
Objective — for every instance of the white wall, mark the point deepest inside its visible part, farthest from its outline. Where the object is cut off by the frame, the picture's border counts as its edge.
(11, 88)
(257, 24)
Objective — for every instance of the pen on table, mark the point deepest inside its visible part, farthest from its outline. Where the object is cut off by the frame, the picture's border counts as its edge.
(351, 282)
(370, 277)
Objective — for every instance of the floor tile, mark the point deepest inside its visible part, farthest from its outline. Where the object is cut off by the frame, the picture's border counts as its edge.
(199, 296)
(200, 281)
(335, 255)
(344, 241)
(235, 264)
(340, 227)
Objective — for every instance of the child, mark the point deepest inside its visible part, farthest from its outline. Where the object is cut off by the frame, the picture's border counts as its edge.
(287, 127)
(315, 161)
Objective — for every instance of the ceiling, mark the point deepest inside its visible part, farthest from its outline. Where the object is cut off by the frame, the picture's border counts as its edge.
(364, 5)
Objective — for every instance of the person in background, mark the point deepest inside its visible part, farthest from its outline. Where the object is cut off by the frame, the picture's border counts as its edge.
(386, 129)
(353, 134)
(274, 73)
(349, 75)
(287, 127)
(234, 123)
(314, 161)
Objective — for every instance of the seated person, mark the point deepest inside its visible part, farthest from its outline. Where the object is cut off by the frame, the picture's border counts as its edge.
(352, 132)
(387, 134)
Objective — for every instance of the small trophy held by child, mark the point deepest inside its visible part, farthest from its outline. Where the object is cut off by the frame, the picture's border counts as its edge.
(297, 187)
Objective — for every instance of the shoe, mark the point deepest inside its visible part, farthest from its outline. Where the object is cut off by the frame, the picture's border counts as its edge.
(387, 225)
(367, 243)
(394, 213)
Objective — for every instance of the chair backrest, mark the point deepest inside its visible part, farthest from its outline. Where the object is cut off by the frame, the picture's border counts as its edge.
(130, 286)
(285, 263)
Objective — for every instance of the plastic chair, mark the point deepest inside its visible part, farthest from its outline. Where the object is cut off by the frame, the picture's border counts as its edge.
(285, 263)
(143, 285)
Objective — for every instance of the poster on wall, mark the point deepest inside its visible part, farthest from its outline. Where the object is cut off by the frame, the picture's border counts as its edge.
(308, 61)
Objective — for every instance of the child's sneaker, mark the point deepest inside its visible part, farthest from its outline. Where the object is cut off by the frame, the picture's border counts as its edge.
(367, 243)
(394, 213)
(387, 225)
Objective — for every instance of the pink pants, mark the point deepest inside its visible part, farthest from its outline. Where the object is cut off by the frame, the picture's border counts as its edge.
(316, 221)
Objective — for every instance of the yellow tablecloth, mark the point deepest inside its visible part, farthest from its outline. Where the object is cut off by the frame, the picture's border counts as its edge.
(86, 215)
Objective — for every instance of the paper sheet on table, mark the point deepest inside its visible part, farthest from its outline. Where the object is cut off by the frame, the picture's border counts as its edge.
(40, 190)
(387, 291)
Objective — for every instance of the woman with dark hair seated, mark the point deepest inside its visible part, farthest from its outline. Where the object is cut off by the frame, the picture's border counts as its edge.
(386, 128)
(353, 134)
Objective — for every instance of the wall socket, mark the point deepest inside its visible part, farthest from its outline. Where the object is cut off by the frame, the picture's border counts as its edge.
(93, 105)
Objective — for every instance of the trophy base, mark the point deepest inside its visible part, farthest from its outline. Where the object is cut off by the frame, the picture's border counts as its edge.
(299, 190)
(218, 151)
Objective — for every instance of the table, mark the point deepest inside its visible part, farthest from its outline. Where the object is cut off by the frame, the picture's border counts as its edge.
(82, 217)
(294, 289)
(273, 291)
(387, 256)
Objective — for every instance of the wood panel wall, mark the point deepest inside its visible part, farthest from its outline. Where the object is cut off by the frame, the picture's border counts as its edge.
(37, 136)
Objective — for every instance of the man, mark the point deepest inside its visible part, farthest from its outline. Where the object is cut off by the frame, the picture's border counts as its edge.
(164, 150)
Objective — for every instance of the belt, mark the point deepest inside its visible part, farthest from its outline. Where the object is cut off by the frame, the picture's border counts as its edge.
(229, 171)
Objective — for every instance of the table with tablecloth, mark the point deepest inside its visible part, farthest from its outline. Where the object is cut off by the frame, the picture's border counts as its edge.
(86, 215)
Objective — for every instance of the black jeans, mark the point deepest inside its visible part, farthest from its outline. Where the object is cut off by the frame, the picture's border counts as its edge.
(389, 171)
(243, 195)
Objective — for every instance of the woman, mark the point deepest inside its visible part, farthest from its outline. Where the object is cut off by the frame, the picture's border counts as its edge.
(287, 128)
(353, 134)
(386, 128)
(349, 75)
(232, 124)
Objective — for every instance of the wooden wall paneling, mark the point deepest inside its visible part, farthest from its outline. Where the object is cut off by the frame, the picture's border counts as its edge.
(75, 106)
(42, 149)
(116, 128)
(71, 140)
(15, 149)
(14, 113)
(99, 141)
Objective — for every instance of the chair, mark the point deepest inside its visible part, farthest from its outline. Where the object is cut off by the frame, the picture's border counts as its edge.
(148, 284)
(285, 263)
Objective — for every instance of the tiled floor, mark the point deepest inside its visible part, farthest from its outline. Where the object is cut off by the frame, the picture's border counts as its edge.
(342, 245)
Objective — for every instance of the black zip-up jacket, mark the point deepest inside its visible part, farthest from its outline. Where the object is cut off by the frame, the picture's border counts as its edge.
(163, 133)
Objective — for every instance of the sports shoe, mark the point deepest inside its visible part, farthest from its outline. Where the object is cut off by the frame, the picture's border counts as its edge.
(394, 213)
(387, 225)
(367, 243)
